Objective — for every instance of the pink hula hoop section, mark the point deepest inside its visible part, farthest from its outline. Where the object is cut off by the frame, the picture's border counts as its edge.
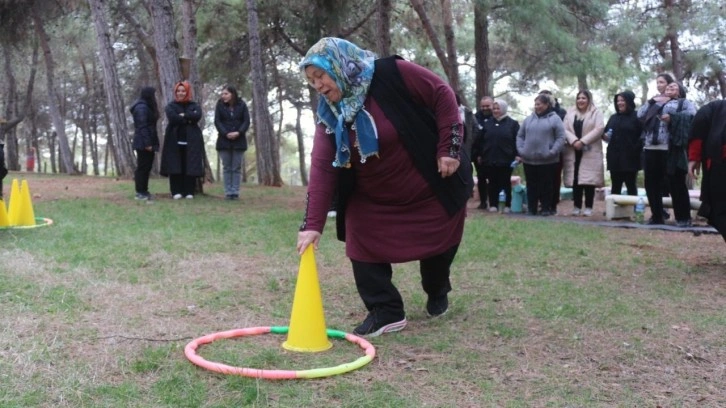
(190, 351)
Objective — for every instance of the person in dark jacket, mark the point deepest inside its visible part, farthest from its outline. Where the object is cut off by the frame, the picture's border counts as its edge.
(146, 141)
(622, 133)
(707, 151)
(232, 119)
(496, 151)
(182, 157)
(482, 116)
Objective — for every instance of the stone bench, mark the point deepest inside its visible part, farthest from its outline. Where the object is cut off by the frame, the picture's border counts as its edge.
(623, 206)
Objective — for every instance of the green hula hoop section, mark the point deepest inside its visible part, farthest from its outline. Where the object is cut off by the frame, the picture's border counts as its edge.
(190, 351)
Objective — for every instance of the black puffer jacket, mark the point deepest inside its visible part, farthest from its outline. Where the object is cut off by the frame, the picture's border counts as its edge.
(144, 126)
(183, 128)
(625, 145)
(226, 120)
(498, 142)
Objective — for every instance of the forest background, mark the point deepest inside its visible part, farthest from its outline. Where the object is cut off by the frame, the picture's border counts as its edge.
(70, 68)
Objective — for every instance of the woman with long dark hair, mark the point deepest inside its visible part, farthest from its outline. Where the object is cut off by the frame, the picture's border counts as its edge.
(232, 119)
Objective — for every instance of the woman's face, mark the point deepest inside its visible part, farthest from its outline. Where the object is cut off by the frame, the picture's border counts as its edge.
(672, 90)
(582, 102)
(539, 107)
(621, 104)
(323, 83)
(226, 96)
(661, 84)
(180, 93)
(496, 110)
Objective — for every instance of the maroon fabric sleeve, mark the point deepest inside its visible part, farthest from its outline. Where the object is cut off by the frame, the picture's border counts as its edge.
(428, 89)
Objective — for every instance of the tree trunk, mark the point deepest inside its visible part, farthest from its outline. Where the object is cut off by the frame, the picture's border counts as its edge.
(672, 20)
(383, 28)
(124, 156)
(452, 71)
(189, 45)
(301, 144)
(450, 40)
(167, 48)
(66, 158)
(483, 73)
(268, 154)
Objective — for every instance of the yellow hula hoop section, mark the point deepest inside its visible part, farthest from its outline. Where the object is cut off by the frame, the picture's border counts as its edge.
(190, 351)
(39, 222)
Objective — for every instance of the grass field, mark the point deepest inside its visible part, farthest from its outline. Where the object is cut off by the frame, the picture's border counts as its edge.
(97, 309)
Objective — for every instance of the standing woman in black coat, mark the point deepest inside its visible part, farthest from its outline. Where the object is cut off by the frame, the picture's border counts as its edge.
(625, 146)
(182, 157)
(232, 119)
(497, 151)
(146, 140)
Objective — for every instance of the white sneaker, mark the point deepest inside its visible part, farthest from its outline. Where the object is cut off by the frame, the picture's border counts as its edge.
(189, 197)
(493, 209)
(575, 212)
(507, 210)
(587, 212)
(176, 196)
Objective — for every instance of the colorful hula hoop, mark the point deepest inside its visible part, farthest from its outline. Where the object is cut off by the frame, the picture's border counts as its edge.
(39, 222)
(190, 351)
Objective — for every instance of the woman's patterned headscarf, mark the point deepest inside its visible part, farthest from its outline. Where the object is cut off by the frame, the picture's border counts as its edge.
(352, 70)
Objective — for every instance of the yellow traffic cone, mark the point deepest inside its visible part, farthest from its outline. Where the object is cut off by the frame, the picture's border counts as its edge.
(4, 220)
(307, 322)
(27, 215)
(14, 206)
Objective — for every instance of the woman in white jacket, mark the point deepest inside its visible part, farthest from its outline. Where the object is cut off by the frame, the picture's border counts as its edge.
(583, 155)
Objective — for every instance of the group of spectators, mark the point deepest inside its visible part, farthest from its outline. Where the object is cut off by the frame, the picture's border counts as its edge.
(558, 146)
(182, 157)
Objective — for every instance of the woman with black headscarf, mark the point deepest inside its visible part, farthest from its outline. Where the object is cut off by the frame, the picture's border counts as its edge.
(622, 133)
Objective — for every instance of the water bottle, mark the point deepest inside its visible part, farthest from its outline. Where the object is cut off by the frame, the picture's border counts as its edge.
(640, 211)
(502, 199)
(608, 135)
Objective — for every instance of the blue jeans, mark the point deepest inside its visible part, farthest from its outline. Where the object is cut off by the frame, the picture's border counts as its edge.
(231, 170)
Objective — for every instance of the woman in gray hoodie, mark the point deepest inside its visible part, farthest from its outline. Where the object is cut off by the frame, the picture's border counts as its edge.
(539, 142)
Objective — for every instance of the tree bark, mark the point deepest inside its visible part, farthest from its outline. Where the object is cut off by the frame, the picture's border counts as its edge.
(483, 73)
(383, 28)
(167, 48)
(123, 154)
(451, 69)
(268, 154)
(66, 158)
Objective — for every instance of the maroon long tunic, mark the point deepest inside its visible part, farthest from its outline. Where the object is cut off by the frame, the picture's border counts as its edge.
(393, 215)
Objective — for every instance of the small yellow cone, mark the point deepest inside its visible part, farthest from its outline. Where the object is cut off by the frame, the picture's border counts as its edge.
(4, 220)
(27, 215)
(14, 205)
(307, 320)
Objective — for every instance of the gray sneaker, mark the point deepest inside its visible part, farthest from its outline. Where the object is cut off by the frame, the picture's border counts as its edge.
(371, 327)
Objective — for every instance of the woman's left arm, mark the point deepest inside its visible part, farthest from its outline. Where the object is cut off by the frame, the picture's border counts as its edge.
(596, 125)
(428, 89)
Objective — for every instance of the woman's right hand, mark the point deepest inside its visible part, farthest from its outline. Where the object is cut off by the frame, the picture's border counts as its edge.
(305, 238)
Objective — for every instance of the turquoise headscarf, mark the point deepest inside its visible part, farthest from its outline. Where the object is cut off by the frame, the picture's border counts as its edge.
(352, 70)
